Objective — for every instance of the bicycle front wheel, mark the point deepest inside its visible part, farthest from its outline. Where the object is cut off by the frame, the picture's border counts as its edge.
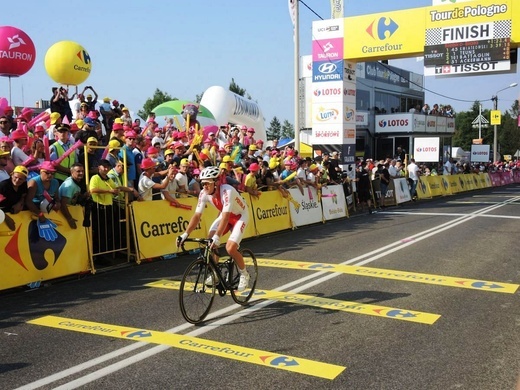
(195, 297)
(242, 297)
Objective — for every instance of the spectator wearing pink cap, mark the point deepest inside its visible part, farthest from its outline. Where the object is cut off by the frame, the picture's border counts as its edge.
(248, 138)
(288, 175)
(146, 184)
(43, 187)
(18, 155)
(127, 149)
(251, 182)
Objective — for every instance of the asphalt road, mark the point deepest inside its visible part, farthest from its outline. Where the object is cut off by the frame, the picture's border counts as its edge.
(432, 304)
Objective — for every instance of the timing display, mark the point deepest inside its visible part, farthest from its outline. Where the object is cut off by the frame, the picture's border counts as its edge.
(470, 52)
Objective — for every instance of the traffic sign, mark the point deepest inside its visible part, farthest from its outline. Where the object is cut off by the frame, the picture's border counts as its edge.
(495, 117)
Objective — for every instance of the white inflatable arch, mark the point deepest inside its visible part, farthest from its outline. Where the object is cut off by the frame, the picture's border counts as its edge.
(227, 106)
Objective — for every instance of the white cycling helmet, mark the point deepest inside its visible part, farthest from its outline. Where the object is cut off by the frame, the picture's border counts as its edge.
(209, 173)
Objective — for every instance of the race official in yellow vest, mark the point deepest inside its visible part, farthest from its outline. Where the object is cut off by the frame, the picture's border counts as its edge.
(63, 143)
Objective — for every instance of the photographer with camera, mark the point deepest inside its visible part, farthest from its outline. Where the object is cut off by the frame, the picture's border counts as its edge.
(60, 102)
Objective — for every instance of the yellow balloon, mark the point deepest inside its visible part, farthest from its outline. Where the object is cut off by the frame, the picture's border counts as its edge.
(68, 63)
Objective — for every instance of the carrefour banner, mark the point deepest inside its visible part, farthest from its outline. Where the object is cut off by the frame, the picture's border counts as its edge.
(271, 212)
(27, 257)
(333, 202)
(305, 208)
(157, 225)
(385, 35)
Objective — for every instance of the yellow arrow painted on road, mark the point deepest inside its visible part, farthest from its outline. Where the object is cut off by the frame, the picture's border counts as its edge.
(416, 277)
(196, 344)
(327, 303)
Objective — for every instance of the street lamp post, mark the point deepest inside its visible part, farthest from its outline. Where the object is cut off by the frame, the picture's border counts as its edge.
(495, 107)
(480, 122)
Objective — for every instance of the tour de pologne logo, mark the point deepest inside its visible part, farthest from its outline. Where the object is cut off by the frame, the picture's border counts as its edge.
(382, 29)
(41, 251)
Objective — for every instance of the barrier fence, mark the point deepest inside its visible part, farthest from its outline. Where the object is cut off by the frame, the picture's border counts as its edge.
(153, 226)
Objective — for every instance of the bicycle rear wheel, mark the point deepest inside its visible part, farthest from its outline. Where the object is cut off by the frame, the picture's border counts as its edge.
(242, 297)
(195, 297)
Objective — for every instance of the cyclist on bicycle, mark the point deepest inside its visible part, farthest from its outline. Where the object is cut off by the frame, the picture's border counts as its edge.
(233, 216)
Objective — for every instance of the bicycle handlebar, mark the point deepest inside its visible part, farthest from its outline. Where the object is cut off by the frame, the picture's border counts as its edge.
(200, 241)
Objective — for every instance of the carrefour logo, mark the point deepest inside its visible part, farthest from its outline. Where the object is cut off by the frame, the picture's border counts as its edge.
(386, 27)
(393, 122)
(84, 56)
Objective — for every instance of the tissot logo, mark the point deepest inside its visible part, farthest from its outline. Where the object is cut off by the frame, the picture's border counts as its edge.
(385, 28)
(327, 68)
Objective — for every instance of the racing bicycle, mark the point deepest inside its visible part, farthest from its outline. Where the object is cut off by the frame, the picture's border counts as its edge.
(197, 294)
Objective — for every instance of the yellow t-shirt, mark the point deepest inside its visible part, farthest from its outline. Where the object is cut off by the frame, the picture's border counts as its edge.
(251, 181)
(96, 182)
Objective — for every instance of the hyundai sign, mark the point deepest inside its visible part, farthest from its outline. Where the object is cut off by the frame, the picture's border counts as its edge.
(327, 71)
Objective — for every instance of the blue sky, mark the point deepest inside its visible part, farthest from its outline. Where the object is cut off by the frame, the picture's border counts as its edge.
(185, 47)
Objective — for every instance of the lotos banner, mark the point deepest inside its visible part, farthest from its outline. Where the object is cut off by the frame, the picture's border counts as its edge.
(33, 254)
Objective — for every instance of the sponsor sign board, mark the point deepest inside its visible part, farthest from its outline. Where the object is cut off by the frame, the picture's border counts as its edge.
(327, 71)
(480, 153)
(460, 69)
(384, 35)
(394, 123)
(426, 149)
(325, 29)
(327, 49)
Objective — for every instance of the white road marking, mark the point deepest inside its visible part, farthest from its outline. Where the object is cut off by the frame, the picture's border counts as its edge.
(325, 276)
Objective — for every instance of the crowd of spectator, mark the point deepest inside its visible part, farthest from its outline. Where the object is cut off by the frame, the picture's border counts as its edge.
(438, 110)
(44, 166)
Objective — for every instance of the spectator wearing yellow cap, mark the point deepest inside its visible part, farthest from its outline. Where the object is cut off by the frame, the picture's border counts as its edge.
(13, 191)
(126, 118)
(89, 99)
(108, 115)
(182, 176)
(91, 158)
(113, 152)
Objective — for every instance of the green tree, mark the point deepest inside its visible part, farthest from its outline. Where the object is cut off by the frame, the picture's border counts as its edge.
(464, 131)
(274, 131)
(159, 97)
(508, 134)
(287, 130)
(234, 87)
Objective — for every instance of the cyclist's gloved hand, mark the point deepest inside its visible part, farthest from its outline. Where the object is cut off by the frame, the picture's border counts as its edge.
(215, 242)
(181, 239)
(47, 230)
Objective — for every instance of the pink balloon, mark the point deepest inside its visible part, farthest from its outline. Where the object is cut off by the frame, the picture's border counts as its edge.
(3, 104)
(17, 52)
